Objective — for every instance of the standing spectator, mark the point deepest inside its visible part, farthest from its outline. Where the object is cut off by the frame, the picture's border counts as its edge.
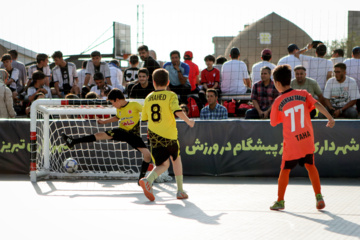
(13, 74)
(337, 56)
(131, 74)
(235, 76)
(220, 60)
(81, 79)
(263, 95)
(353, 69)
(265, 57)
(214, 110)
(149, 62)
(6, 100)
(64, 76)
(102, 88)
(178, 74)
(143, 87)
(21, 67)
(341, 93)
(293, 58)
(185, 109)
(309, 84)
(42, 61)
(194, 73)
(95, 65)
(318, 67)
(116, 74)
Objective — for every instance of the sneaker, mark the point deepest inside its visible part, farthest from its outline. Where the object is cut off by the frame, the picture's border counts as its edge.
(181, 195)
(68, 140)
(320, 203)
(148, 191)
(278, 205)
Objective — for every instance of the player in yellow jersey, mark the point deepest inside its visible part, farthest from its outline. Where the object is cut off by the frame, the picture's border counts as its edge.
(128, 116)
(159, 110)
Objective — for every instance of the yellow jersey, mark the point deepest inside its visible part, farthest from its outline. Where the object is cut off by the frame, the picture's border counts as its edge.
(159, 108)
(129, 117)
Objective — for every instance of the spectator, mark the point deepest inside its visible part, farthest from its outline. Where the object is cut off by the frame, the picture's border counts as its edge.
(318, 67)
(64, 76)
(116, 75)
(353, 69)
(42, 61)
(263, 95)
(309, 84)
(213, 110)
(178, 74)
(341, 93)
(194, 73)
(210, 78)
(21, 67)
(220, 60)
(39, 86)
(235, 76)
(6, 100)
(102, 88)
(149, 62)
(255, 72)
(71, 96)
(92, 95)
(37, 96)
(95, 65)
(81, 79)
(293, 58)
(13, 74)
(185, 109)
(143, 87)
(131, 74)
(337, 56)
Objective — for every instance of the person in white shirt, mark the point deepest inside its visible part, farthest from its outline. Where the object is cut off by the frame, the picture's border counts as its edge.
(292, 59)
(256, 72)
(318, 67)
(102, 88)
(341, 93)
(353, 69)
(116, 75)
(13, 74)
(96, 65)
(234, 74)
(337, 56)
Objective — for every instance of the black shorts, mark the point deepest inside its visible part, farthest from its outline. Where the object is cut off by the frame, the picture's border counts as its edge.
(161, 154)
(119, 134)
(309, 159)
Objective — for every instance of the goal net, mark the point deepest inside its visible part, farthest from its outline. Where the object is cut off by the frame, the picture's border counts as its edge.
(77, 118)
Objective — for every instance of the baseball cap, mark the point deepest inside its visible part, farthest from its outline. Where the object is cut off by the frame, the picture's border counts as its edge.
(292, 47)
(266, 51)
(188, 53)
(356, 50)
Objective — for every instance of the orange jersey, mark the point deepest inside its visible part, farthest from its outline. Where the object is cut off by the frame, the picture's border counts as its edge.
(292, 108)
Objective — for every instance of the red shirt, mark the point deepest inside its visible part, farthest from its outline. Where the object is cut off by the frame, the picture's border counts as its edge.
(194, 71)
(210, 77)
(292, 108)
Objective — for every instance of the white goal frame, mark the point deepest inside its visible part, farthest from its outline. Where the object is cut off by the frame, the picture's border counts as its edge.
(41, 151)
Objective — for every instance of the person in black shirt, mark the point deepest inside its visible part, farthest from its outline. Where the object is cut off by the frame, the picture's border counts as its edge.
(149, 63)
(143, 87)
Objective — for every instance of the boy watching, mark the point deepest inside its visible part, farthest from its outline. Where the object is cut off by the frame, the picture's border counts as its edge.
(128, 116)
(292, 108)
(96, 65)
(210, 76)
(131, 74)
(143, 87)
(13, 74)
(159, 109)
(42, 61)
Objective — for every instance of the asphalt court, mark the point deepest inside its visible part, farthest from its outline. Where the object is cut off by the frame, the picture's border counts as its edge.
(217, 208)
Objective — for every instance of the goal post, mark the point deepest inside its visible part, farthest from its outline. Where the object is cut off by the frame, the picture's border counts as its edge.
(106, 159)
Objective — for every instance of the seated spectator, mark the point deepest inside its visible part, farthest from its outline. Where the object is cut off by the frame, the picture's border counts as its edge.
(210, 78)
(185, 109)
(309, 84)
(143, 87)
(81, 80)
(92, 95)
(13, 78)
(6, 100)
(194, 77)
(101, 88)
(341, 93)
(337, 56)
(37, 96)
(96, 65)
(256, 68)
(213, 110)
(263, 95)
(71, 96)
(116, 75)
(131, 74)
(39, 86)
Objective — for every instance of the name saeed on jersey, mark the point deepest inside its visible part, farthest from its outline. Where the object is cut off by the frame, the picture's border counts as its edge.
(156, 97)
(290, 99)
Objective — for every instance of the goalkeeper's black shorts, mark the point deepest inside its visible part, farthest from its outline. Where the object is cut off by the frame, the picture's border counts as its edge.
(133, 140)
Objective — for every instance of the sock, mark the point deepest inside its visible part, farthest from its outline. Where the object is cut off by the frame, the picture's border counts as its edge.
(314, 178)
(152, 176)
(88, 138)
(282, 183)
(179, 183)
(143, 170)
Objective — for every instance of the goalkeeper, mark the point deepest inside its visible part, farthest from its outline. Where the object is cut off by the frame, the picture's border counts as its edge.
(128, 116)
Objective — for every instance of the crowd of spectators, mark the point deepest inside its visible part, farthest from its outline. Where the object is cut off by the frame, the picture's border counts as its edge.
(334, 82)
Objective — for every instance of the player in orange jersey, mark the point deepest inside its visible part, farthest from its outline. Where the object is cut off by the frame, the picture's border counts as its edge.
(292, 108)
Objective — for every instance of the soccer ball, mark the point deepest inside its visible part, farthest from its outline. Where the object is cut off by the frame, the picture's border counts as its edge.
(70, 165)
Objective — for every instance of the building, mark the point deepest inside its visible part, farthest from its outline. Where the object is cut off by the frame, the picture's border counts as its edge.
(25, 56)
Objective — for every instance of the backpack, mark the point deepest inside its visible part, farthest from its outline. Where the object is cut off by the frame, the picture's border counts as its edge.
(230, 106)
(194, 106)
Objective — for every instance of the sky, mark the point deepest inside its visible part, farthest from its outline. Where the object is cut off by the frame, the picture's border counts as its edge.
(73, 26)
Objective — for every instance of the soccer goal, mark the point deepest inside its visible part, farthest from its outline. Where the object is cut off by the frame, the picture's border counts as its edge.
(104, 159)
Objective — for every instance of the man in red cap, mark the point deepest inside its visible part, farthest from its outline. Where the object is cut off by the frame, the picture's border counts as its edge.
(194, 73)
(265, 57)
